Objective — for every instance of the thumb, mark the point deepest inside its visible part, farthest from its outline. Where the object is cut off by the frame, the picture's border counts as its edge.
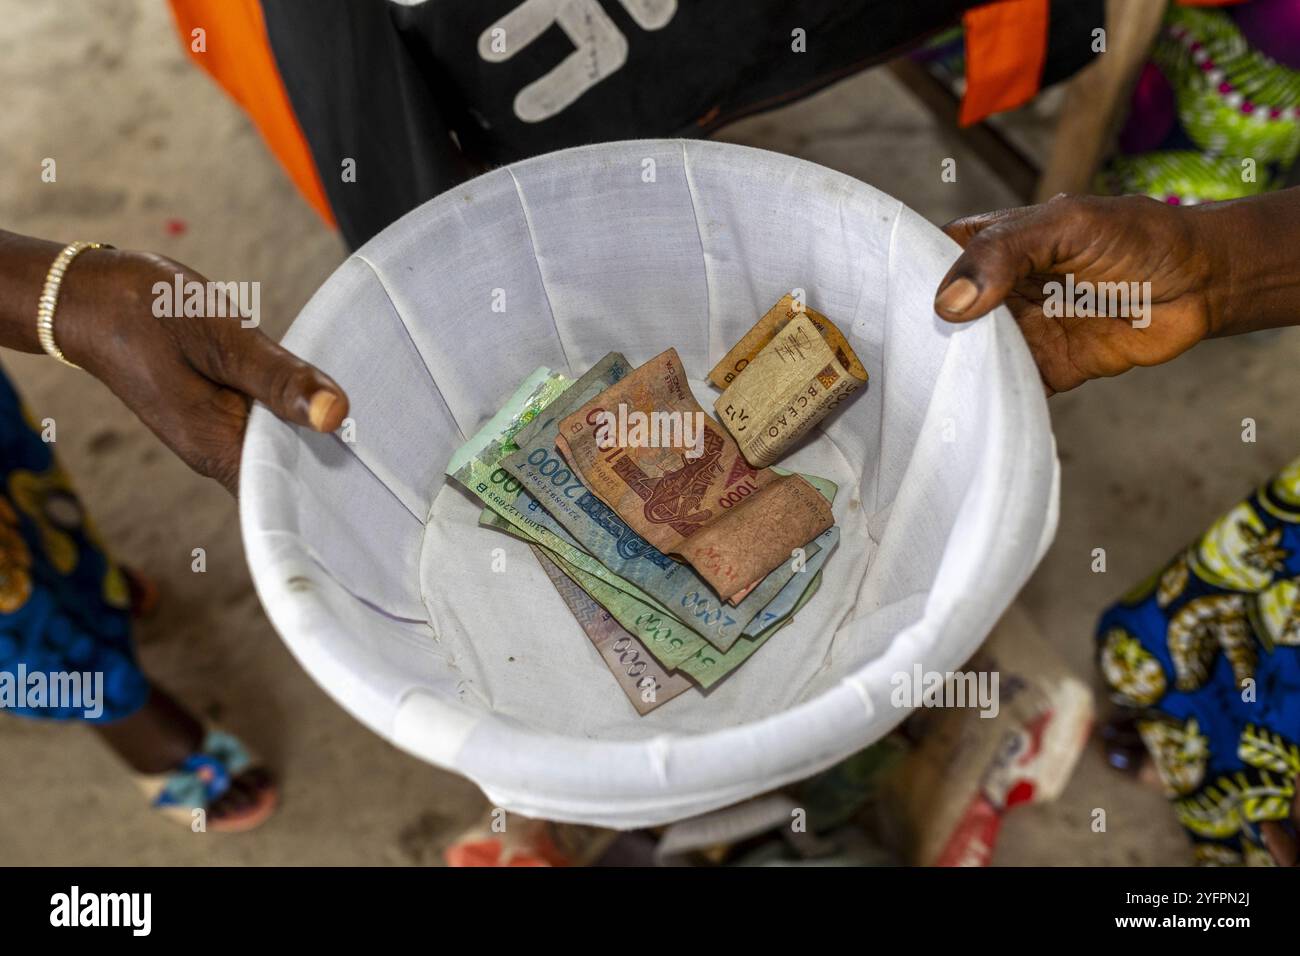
(997, 256)
(294, 390)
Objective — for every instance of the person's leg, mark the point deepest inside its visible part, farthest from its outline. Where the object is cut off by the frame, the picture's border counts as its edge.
(162, 734)
(1125, 751)
(65, 609)
(156, 738)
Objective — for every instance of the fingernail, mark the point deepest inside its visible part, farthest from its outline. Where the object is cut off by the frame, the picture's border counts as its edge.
(318, 411)
(957, 296)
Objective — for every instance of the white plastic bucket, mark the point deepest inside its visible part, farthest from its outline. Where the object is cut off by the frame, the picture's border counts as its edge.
(374, 571)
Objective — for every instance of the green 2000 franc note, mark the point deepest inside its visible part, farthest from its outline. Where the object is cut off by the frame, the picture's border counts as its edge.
(476, 465)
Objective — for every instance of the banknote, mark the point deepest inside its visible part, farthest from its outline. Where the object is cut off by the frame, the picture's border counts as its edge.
(476, 465)
(610, 369)
(604, 535)
(784, 603)
(827, 489)
(783, 377)
(668, 640)
(707, 668)
(534, 393)
(765, 329)
(645, 682)
(646, 449)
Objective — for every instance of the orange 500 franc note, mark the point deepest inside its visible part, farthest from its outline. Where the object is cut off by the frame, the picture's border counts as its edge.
(785, 375)
(646, 448)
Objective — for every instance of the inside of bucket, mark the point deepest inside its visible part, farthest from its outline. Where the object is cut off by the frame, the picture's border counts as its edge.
(433, 324)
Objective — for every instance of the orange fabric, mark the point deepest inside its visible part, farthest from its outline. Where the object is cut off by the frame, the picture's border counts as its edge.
(1006, 47)
(238, 56)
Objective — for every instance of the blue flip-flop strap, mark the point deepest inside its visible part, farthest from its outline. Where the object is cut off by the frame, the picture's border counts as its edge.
(205, 776)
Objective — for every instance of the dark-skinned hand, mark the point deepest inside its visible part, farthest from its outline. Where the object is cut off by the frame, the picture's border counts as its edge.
(191, 380)
(1009, 256)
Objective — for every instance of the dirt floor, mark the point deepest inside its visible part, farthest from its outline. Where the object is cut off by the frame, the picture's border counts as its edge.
(151, 155)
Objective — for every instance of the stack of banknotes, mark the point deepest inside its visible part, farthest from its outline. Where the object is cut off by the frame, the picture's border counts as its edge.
(675, 541)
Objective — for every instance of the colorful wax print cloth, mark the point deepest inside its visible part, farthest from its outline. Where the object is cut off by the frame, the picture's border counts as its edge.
(65, 630)
(1208, 652)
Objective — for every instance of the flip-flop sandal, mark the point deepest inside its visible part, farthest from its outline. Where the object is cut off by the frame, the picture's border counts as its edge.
(1127, 752)
(203, 778)
(1123, 745)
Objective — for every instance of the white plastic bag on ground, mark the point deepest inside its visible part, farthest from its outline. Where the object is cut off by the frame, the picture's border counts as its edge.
(373, 568)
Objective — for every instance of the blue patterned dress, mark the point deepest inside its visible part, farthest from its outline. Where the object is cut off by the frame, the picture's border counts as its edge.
(63, 602)
(1208, 651)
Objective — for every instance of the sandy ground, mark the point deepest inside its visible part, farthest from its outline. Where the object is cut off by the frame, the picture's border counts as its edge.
(151, 155)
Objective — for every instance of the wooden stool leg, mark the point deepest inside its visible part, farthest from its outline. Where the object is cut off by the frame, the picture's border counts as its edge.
(1095, 99)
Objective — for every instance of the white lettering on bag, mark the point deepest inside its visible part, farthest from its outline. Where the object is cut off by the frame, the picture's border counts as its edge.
(601, 48)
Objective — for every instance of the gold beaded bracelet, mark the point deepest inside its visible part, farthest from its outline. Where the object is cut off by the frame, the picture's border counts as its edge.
(50, 296)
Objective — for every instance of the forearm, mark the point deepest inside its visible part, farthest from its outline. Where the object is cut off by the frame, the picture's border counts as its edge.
(1255, 265)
